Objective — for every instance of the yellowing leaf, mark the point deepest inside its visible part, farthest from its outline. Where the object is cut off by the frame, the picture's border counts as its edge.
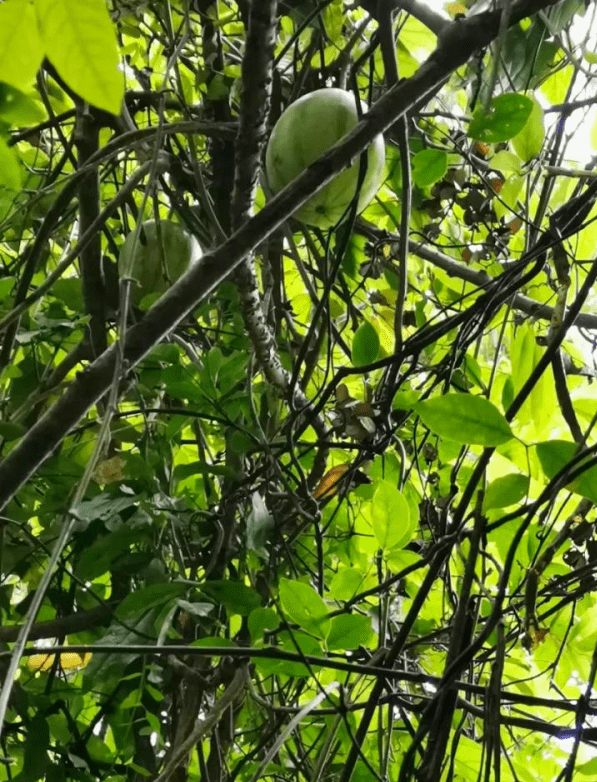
(538, 635)
(555, 87)
(508, 196)
(456, 9)
(69, 661)
(328, 485)
(110, 470)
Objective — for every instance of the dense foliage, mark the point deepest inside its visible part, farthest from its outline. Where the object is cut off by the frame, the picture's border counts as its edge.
(324, 510)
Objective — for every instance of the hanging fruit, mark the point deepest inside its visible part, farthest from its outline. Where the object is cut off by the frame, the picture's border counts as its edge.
(161, 254)
(306, 130)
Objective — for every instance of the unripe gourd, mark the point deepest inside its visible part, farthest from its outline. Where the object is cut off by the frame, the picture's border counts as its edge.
(305, 131)
(158, 258)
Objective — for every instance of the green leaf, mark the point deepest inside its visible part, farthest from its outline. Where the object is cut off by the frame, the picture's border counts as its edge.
(10, 170)
(98, 750)
(537, 410)
(68, 290)
(240, 442)
(390, 517)
(16, 108)
(529, 142)
(365, 345)
(404, 400)
(505, 491)
(429, 166)
(554, 455)
(527, 55)
(80, 41)
(301, 603)
(260, 620)
(466, 419)
(21, 49)
(347, 583)
(588, 769)
(214, 640)
(349, 631)
(11, 431)
(139, 602)
(6, 286)
(236, 597)
(506, 162)
(196, 609)
(506, 117)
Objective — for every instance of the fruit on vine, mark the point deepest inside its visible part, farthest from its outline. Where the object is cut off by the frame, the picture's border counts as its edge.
(161, 255)
(305, 131)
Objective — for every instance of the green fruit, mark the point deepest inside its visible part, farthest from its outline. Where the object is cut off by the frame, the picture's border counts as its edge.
(158, 258)
(305, 131)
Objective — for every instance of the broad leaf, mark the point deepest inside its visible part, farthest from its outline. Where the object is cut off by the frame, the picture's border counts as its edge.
(506, 117)
(302, 605)
(98, 558)
(347, 583)
(297, 642)
(349, 631)
(390, 517)
(466, 419)
(505, 491)
(21, 49)
(505, 161)
(16, 108)
(429, 166)
(10, 170)
(80, 41)
(528, 143)
(236, 597)
(261, 619)
(554, 455)
(537, 410)
(365, 345)
(138, 603)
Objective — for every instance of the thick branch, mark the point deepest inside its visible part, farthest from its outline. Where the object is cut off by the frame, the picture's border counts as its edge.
(55, 628)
